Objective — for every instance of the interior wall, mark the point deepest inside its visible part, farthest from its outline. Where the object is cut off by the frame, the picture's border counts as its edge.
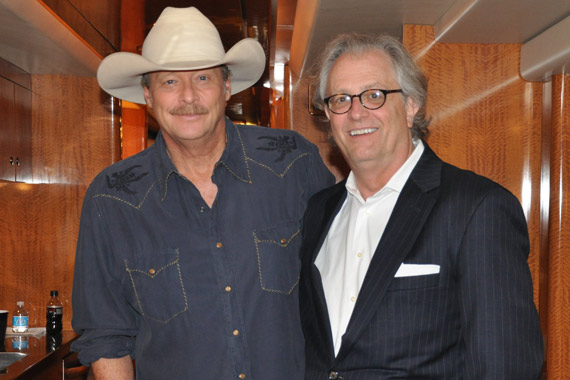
(313, 127)
(74, 136)
(557, 318)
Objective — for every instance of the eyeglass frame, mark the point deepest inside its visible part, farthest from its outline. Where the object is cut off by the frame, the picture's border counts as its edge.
(359, 96)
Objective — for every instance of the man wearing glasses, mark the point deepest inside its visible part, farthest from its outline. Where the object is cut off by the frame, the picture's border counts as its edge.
(411, 268)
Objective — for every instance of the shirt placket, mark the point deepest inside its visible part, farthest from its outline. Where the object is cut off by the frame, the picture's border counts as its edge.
(222, 249)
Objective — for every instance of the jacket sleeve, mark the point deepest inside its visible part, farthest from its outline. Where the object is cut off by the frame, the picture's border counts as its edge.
(500, 325)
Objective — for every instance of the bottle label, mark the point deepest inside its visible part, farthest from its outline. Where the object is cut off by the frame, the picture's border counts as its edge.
(56, 310)
(20, 321)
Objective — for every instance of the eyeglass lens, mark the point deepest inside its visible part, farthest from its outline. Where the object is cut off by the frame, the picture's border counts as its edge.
(371, 99)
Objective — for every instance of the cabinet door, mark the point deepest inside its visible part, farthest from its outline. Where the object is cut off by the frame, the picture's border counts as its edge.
(7, 135)
(23, 133)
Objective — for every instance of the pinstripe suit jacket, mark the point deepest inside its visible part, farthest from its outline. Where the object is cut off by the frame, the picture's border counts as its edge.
(474, 320)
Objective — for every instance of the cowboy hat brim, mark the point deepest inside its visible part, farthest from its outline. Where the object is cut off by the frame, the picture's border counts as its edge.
(119, 74)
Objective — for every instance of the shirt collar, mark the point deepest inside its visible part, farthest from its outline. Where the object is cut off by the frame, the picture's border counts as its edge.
(398, 180)
(234, 158)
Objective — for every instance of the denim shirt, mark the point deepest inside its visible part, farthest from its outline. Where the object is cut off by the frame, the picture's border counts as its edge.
(189, 291)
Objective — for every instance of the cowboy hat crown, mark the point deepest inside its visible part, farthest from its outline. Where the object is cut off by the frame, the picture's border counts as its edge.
(181, 39)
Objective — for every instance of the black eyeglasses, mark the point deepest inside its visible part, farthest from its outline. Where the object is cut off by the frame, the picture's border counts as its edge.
(371, 99)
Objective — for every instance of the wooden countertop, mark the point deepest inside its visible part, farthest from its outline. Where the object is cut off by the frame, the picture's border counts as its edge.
(41, 355)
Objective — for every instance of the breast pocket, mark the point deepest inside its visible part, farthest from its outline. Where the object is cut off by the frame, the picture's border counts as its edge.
(158, 286)
(278, 261)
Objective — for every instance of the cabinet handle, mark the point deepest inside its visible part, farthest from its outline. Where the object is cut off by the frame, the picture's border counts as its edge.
(17, 161)
(11, 160)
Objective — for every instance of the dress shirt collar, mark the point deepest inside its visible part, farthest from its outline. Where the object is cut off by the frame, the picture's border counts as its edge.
(234, 158)
(398, 180)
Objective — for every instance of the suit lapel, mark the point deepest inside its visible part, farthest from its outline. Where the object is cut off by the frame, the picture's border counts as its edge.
(408, 217)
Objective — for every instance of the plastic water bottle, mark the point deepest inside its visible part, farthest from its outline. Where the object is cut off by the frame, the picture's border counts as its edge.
(20, 318)
(54, 314)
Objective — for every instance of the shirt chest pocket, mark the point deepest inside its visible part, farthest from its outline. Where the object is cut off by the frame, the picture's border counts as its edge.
(277, 250)
(158, 286)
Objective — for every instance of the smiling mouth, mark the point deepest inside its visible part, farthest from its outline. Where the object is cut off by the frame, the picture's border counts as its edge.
(365, 131)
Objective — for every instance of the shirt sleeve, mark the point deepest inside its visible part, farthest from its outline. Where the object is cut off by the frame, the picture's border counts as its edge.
(101, 315)
(499, 320)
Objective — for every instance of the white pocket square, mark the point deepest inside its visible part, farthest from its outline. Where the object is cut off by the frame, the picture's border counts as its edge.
(409, 270)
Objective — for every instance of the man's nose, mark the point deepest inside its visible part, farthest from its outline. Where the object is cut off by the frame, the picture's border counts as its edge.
(188, 93)
(357, 110)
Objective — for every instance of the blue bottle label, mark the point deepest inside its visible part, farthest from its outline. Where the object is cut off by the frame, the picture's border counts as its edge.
(19, 320)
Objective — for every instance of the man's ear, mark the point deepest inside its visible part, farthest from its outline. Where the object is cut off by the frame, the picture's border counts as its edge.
(411, 110)
(147, 96)
(228, 92)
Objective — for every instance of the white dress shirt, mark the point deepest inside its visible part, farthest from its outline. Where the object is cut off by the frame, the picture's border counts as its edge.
(351, 241)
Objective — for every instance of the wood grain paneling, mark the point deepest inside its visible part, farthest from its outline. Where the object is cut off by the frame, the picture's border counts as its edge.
(15, 74)
(485, 118)
(134, 131)
(39, 233)
(75, 130)
(23, 134)
(558, 317)
(97, 22)
(134, 117)
(15, 124)
(316, 129)
(75, 135)
(7, 130)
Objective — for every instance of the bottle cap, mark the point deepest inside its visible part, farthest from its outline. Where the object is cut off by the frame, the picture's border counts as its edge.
(20, 303)
(53, 293)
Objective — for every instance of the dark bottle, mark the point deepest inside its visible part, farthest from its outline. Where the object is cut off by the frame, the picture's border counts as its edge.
(54, 313)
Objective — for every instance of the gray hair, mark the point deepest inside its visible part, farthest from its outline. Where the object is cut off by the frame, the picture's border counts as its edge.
(410, 77)
(226, 74)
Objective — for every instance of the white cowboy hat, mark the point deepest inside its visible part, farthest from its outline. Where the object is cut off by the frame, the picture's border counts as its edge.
(181, 39)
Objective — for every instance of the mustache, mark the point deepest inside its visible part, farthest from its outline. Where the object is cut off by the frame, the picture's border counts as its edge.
(189, 109)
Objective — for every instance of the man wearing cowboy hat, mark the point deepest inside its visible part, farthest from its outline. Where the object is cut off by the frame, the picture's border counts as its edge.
(187, 258)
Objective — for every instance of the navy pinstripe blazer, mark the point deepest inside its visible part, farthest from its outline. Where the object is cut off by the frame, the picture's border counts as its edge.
(474, 320)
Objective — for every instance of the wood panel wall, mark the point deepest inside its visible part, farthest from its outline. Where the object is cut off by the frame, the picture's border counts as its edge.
(557, 314)
(315, 128)
(134, 118)
(74, 136)
(96, 22)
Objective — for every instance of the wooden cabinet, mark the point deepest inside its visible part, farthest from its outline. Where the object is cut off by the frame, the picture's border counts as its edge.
(15, 131)
(97, 22)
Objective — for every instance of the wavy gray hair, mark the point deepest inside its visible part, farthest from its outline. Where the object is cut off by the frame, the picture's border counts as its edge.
(410, 77)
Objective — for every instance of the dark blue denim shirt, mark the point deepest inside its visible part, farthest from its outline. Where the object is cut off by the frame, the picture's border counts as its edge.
(193, 292)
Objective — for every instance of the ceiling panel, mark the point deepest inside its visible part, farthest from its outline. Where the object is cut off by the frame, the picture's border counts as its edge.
(465, 21)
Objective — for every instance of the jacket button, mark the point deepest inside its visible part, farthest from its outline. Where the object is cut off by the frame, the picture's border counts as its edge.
(333, 375)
